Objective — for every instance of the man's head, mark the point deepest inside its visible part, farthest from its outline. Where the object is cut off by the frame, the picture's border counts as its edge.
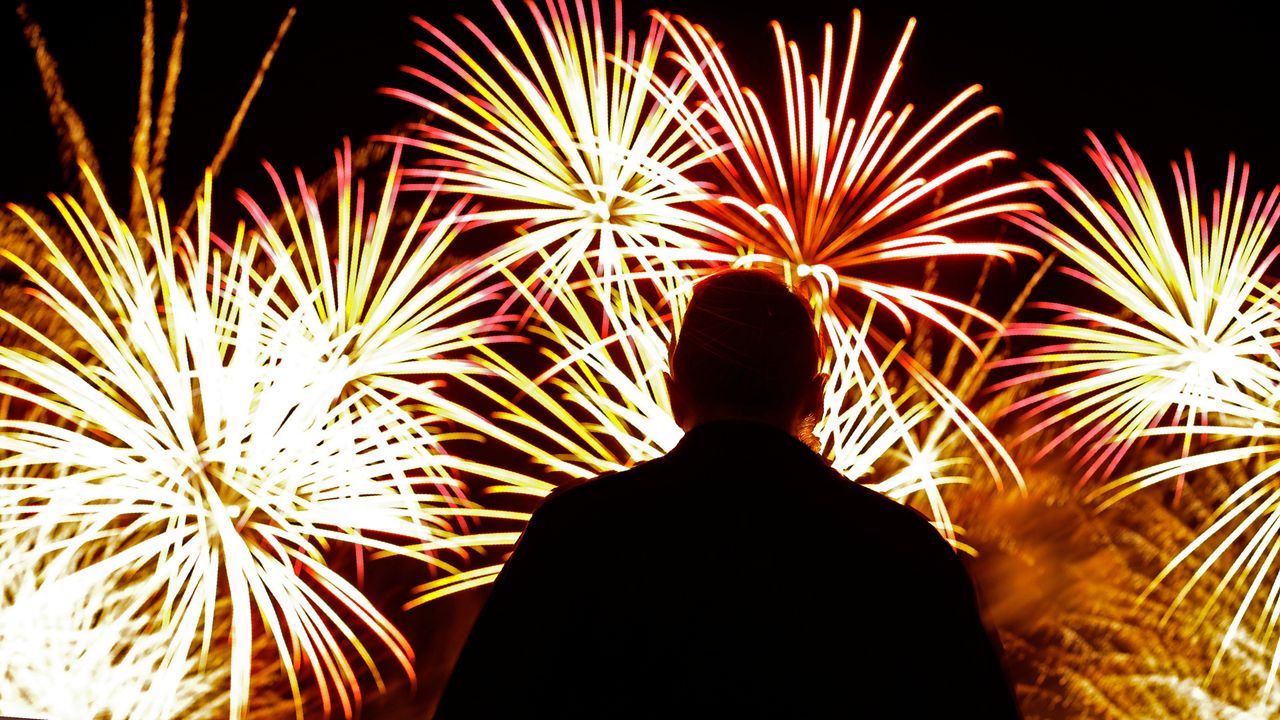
(747, 350)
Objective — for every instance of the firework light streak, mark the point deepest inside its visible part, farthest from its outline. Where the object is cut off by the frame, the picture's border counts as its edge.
(152, 130)
(1195, 342)
(574, 137)
(868, 428)
(226, 442)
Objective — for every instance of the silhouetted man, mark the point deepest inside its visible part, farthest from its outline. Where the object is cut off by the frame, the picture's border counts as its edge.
(739, 576)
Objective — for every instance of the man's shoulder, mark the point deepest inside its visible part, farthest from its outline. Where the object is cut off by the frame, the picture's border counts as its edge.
(902, 527)
(605, 490)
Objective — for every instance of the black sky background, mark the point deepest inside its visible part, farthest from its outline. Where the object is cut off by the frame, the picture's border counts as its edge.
(1202, 79)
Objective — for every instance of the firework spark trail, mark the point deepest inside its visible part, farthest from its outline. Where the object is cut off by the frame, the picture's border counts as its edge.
(152, 130)
(867, 427)
(574, 138)
(75, 148)
(1196, 338)
(224, 438)
(84, 646)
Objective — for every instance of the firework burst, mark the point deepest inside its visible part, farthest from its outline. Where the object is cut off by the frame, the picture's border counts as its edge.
(1190, 332)
(1190, 357)
(227, 441)
(574, 138)
(827, 194)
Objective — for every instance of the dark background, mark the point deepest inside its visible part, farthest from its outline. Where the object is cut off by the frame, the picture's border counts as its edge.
(1201, 79)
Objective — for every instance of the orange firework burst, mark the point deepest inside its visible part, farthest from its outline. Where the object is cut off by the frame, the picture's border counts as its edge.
(827, 191)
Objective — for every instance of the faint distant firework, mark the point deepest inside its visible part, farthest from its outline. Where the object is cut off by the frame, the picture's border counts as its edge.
(1084, 633)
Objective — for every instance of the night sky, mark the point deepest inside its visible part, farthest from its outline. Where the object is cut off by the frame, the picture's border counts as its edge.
(1201, 80)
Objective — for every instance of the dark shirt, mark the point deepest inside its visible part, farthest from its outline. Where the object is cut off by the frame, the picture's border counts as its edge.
(739, 576)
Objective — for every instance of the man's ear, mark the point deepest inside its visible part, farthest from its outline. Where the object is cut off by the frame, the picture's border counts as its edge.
(679, 405)
(815, 396)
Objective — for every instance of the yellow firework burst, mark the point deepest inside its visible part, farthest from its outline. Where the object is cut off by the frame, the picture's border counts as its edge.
(229, 442)
(1188, 328)
(1183, 349)
(573, 137)
(389, 291)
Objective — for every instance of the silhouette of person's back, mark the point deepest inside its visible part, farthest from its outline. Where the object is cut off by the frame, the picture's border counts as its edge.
(739, 575)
